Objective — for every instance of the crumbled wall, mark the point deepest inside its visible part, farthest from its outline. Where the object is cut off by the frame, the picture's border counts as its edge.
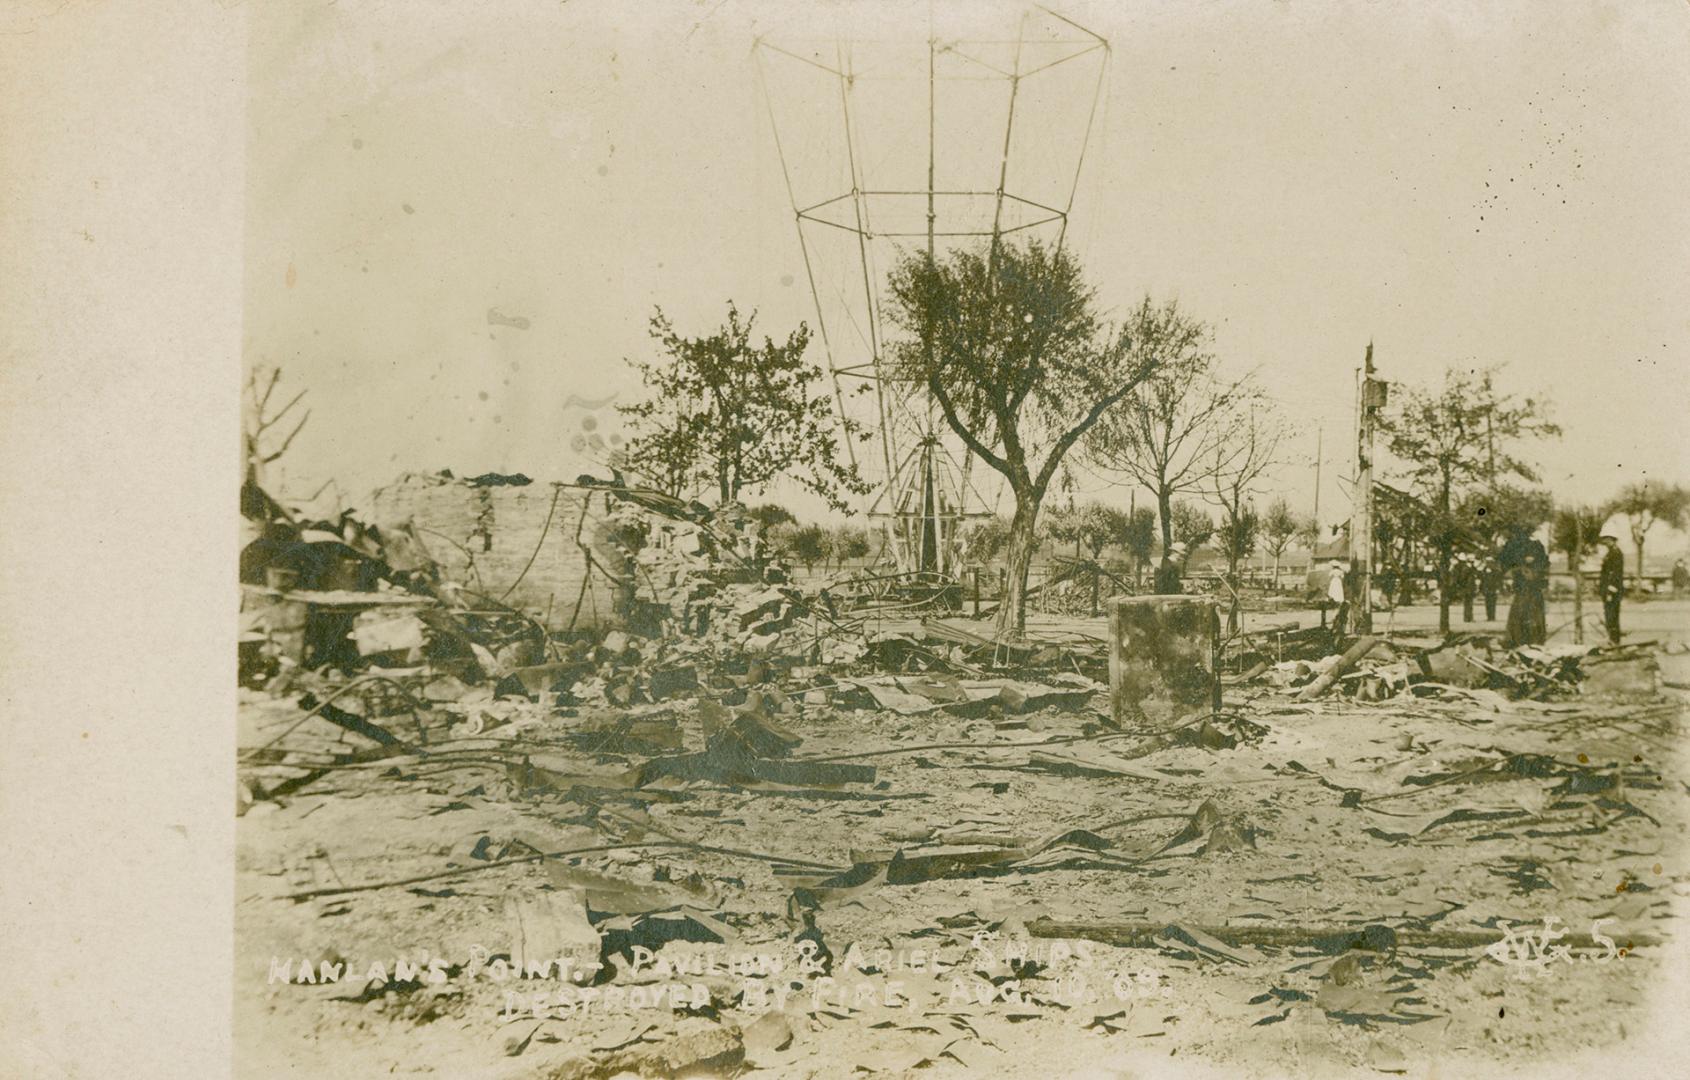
(482, 537)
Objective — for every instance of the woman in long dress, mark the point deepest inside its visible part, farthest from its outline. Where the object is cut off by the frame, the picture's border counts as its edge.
(1528, 621)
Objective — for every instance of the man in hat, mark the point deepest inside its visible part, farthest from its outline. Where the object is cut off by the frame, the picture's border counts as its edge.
(1167, 581)
(1338, 598)
(1610, 584)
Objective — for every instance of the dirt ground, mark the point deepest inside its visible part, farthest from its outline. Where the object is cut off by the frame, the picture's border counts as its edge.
(1327, 895)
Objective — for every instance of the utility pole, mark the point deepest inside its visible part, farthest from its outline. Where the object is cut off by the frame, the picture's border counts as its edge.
(1318, 432)
(1373, 397)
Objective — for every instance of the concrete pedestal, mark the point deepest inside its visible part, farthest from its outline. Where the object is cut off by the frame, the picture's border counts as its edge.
(1163, 653)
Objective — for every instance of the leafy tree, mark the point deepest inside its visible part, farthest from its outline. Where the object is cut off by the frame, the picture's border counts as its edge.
(1140, 539)
(1102, 525)
(985, 540)
(1007, 341)
(1308, 532)
(1490, 516)
(1574, 530)
(1189, 524)
(1279, 526)
(850, 542)
(1452, 440)
(1237, 537)
(1645, 504)
(1166, 433)
(1062, 524)
(769, 515)
(735, 415)
(811, 544)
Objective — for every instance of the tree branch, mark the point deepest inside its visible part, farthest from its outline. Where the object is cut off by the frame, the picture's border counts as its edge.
(949, 409)
(289, 440)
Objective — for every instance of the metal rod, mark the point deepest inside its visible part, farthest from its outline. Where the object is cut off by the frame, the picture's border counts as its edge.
(862, 254)
(803, 247)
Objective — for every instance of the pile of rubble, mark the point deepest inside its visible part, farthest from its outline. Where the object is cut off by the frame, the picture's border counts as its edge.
(1372, 670)
(746, 792)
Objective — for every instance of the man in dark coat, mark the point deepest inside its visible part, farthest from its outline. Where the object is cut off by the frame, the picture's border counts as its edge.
(1490, 583)
(1465, 586)
(1167, 581)
(1610, 585)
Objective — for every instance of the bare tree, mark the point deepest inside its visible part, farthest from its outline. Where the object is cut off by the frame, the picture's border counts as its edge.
(1166, 433)
(257, 422)
(1242, 457)
(1007, 341)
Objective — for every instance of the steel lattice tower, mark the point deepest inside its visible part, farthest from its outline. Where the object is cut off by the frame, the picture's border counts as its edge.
(880, 150)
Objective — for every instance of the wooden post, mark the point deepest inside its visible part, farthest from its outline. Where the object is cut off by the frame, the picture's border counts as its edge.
(975, 572)
(1578, 578)
(1350, 659)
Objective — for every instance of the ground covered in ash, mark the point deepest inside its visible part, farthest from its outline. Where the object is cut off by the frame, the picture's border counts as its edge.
(787, 883)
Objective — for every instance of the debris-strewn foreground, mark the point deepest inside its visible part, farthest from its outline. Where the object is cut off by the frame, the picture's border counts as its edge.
(759, 831)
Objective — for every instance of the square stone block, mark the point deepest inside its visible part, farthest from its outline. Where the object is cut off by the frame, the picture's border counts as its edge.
(1163, 659)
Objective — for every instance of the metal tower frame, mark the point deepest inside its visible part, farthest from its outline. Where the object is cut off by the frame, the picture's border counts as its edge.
(926, 494)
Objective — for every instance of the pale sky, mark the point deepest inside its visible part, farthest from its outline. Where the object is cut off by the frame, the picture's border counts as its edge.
(460, 216)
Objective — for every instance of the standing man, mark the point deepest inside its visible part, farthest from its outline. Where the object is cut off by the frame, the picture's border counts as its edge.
(1680, 578)
(1490, 583)
(1337, 596)
(1466, 583)
(1610, 584)
(1167, 581)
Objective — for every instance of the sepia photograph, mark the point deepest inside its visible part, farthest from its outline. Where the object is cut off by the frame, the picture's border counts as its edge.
(966, 538)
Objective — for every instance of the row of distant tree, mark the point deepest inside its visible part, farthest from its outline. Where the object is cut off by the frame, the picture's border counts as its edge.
(1093, 527)
(1090, 527)
(1008, 342)
(809, 544)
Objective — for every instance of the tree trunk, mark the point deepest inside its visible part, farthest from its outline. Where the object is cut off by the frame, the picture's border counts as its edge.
(1013, 613)
(1443, 592)
(1232, 579)
(1164, 511)
(1445, 545)
(1578, 596)
(1639, 582)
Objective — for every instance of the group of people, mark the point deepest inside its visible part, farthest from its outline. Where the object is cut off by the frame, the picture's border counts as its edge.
(1523, 558)
(1472, 577)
